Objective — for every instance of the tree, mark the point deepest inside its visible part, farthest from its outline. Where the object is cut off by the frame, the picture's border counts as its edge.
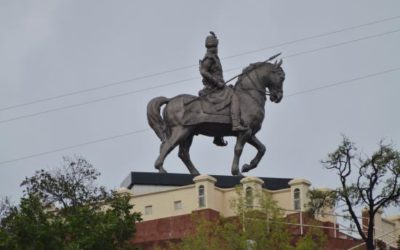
(314, 239)
(371, 182)
(262, 220)
(5, 211)
(259, 225)
(320, 200)
(70, 185)
(65, 209)
(5, 207)
(29, 227)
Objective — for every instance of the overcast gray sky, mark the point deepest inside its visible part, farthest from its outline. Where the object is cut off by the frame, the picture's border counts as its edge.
(51, 48)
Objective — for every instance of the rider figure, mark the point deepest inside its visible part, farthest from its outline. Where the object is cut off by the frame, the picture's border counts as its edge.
(211, 71)
(210, 67)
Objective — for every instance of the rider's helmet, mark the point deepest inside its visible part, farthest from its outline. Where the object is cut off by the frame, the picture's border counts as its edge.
(211, 40)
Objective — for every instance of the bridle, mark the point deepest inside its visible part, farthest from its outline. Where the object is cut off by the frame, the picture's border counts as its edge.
(262, 91)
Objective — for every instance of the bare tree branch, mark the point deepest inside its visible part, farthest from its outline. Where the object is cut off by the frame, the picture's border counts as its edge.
(377, 184)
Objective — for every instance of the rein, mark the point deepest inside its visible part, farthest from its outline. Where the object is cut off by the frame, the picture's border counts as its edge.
(264, 92)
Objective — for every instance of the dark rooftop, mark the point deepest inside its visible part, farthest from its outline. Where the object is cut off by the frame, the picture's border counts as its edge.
(170, 179)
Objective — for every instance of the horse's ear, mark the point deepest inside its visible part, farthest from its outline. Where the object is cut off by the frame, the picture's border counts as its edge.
(277, 65)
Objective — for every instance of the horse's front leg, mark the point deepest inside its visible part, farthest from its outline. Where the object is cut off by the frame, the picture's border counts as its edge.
(240, 141)
(260, 153)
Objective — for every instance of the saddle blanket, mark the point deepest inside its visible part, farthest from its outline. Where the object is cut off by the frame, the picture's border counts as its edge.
(211, 108)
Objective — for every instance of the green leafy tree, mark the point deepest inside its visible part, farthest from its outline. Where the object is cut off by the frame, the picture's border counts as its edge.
(370, 182)
(68, 186)
(320, 200)
(259, 225)
(262, 220)
(314, 239)
(30, 227)
(209, 235)
(5, 207)
(64, 209)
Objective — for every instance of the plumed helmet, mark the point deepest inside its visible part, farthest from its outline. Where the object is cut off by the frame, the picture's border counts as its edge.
(211, 40)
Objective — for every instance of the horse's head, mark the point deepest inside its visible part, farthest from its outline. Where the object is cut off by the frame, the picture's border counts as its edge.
(274, 78)
(262, 75)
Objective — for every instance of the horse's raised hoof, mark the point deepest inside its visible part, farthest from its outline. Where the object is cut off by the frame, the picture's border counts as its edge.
(246, 168)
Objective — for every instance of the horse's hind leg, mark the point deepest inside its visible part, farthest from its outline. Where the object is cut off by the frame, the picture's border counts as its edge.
(260, 153)
(184, 147)
(177, 134)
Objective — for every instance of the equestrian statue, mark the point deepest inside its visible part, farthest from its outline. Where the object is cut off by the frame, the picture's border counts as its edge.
(219, 110)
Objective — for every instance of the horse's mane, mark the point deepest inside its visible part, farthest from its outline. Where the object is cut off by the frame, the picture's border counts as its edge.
(248, 69)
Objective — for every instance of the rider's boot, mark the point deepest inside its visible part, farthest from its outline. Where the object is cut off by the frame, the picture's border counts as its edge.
(235, 114)
(219, 141)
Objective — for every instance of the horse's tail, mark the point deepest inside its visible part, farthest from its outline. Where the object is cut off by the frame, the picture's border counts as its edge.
(154, 118)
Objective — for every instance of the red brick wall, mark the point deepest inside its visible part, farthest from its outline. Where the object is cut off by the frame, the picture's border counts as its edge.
(156, 232)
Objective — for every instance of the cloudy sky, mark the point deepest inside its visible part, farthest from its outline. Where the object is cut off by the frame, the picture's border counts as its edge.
(77, 75)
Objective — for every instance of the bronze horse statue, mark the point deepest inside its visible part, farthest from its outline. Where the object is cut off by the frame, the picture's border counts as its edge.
(251, 87)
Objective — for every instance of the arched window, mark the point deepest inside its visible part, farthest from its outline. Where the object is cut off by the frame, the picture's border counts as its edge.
(202, 197)
(296, 199)
(249, 197)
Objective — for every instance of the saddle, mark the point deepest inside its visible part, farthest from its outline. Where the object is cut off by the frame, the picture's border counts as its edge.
(213, 107)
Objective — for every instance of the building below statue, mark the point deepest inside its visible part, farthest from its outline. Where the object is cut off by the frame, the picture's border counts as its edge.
(168, 201)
